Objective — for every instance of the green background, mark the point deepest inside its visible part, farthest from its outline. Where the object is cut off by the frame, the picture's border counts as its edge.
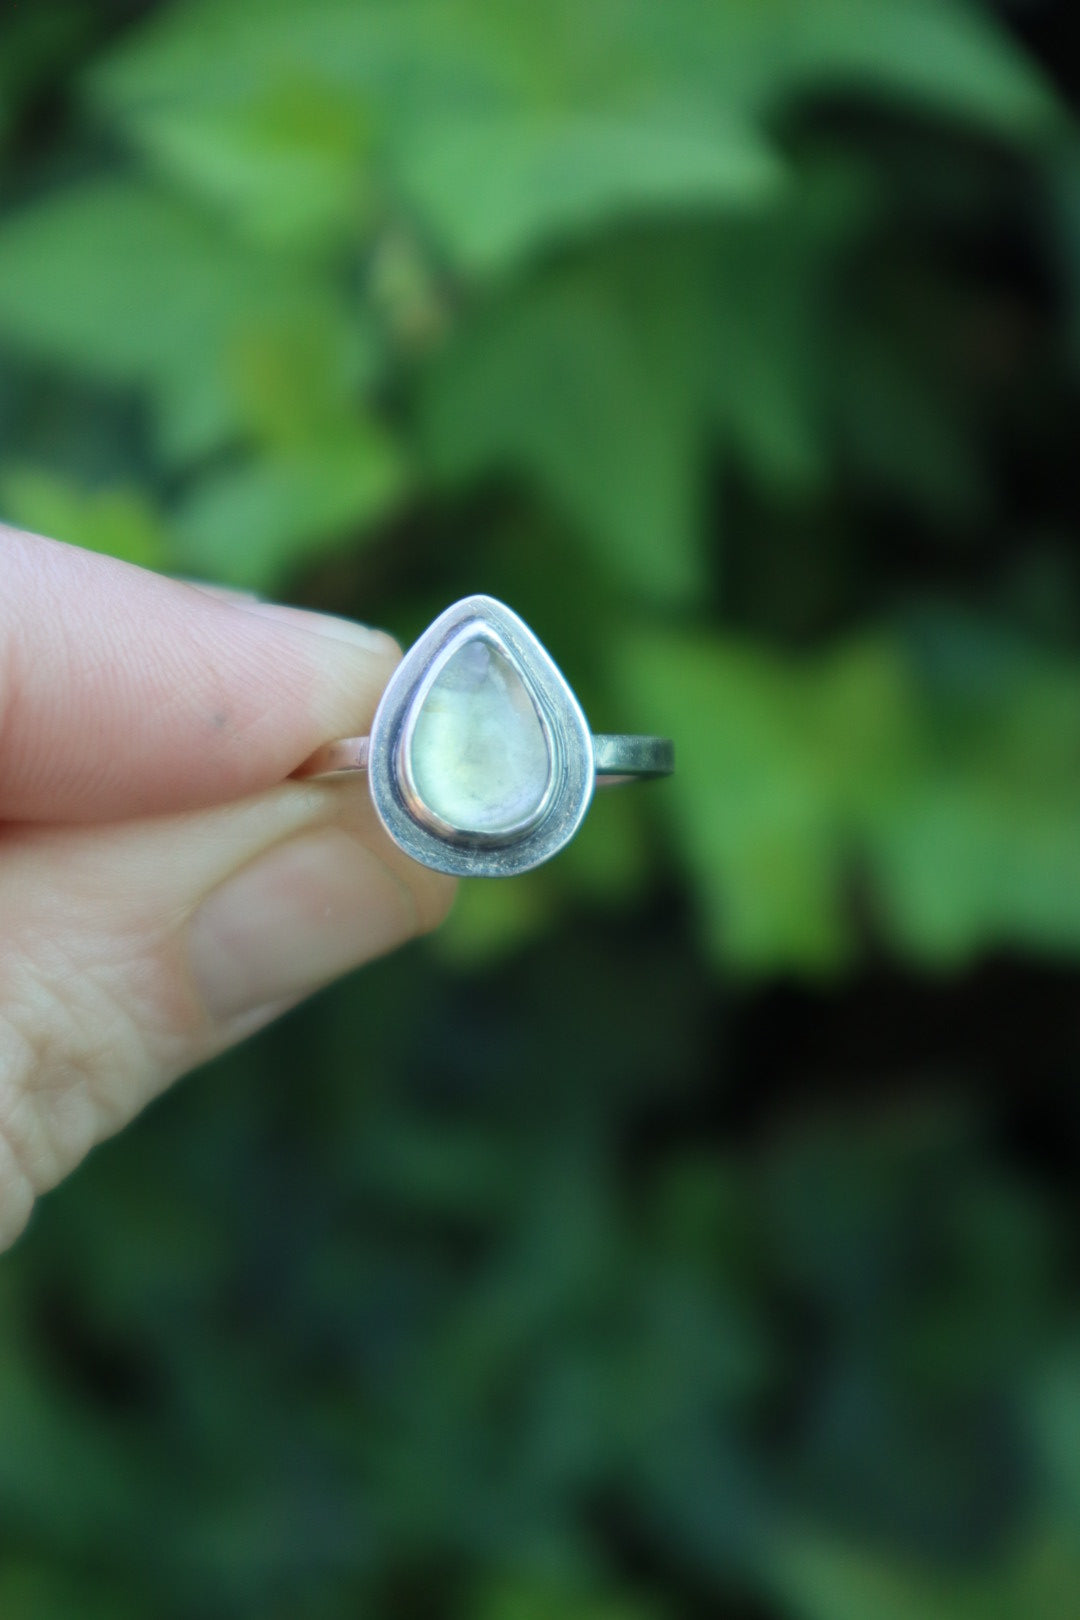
(690, 1228)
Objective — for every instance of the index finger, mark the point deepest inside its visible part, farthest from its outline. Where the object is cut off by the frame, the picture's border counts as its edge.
(124, 693)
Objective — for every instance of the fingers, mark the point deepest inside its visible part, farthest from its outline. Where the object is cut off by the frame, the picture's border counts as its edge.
(123, 693)
(204, 898)
(131, 953)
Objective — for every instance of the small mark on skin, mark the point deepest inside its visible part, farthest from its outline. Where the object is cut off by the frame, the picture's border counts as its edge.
(220, 720)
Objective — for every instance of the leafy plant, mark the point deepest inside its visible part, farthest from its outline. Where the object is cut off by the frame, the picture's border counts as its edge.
(681, 1262)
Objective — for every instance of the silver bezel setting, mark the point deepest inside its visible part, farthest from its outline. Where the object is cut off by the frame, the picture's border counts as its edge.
(409, 822)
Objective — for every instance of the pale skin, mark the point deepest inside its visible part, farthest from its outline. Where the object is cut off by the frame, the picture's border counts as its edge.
(165, 888)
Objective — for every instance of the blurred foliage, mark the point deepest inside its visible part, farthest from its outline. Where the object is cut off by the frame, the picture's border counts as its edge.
(707, 1245)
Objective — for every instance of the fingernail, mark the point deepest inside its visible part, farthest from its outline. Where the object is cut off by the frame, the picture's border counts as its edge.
(296, 918)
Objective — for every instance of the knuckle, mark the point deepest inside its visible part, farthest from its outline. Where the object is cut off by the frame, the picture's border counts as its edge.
(19, 1139)
(27, 1066)
(67, 1053)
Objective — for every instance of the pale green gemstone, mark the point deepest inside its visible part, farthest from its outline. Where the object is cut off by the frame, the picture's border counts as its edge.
(478, 754)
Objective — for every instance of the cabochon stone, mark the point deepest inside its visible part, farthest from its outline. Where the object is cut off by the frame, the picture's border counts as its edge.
(478, 753)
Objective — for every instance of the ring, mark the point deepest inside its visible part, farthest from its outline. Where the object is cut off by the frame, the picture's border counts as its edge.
(480, 761)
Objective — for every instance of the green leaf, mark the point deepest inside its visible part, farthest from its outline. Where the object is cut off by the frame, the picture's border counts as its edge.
(297, 379)
(587, 384)
(125, 283)
(290, 165)
(496, 190)
(962, 806)
(907, 437)
(982, 846)
(772, 760)
(948, 55)
(507, 130)
(502, 144)
(251, 524)
(528, 1597)
(121, 522)
(35, 1589)
(825, 1581)
(1055, 1407)
(772, 322)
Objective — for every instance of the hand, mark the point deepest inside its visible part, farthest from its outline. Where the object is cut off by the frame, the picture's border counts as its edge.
(164, 889)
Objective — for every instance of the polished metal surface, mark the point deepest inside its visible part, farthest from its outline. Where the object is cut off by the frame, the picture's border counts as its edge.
(622, 758)
(579, 761)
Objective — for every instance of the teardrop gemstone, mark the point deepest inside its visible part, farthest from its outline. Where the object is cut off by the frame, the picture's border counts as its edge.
(478, 754)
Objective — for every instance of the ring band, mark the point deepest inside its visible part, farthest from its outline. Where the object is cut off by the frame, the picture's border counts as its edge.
(620, 757)
(617, 757)
(480, 761)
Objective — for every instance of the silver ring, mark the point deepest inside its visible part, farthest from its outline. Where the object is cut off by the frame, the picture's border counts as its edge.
(480, 761)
